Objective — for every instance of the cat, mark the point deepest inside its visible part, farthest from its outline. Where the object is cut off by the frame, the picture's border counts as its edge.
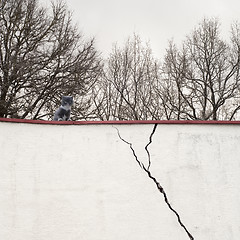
(64, 111)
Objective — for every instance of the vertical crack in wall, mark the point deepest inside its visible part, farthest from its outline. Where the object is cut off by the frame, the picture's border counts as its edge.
(146, 147)
(158, 185)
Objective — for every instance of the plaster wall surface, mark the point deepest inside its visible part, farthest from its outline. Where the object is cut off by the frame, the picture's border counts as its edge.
(83, 182)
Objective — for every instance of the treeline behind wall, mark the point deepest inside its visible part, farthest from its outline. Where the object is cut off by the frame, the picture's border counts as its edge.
(43, 56)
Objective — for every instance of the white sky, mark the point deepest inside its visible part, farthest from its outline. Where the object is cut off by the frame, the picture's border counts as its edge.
(156, 21)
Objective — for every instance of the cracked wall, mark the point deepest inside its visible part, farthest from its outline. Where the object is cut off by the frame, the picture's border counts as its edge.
(83, 182)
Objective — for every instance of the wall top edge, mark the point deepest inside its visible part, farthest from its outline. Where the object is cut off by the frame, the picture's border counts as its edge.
(13, 120)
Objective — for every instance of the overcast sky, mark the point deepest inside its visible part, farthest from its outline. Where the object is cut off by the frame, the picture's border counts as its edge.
(156, 21)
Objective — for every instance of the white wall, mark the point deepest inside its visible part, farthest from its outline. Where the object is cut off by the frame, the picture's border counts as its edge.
(82, 182)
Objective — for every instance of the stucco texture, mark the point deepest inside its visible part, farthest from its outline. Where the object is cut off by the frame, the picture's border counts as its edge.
(84, 182)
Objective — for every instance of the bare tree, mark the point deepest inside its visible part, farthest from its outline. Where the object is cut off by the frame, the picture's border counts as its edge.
(126, 91)
(204, 74)
(42, 56)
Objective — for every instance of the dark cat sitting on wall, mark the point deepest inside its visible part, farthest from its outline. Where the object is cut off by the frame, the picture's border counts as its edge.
(64, 111)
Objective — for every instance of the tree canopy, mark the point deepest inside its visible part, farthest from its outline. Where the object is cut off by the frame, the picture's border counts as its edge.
(42, 56)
